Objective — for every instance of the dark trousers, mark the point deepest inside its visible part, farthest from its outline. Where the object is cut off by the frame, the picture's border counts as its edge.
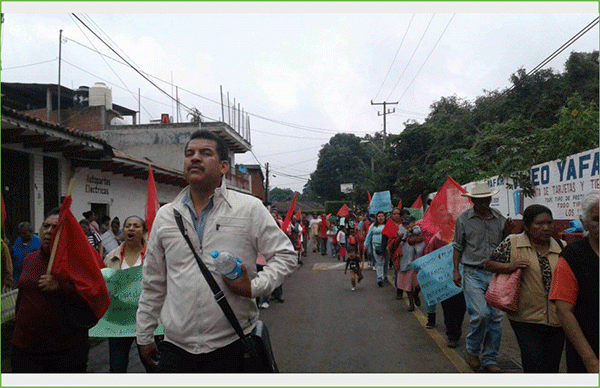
(541, 346)
(228, 359)
(323, 244)
(73, 360)
(118, 351)
(454, 312)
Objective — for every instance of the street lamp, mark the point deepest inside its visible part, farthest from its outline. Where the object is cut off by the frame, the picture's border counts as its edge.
(365, 141)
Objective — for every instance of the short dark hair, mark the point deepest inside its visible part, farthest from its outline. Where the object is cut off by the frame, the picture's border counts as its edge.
(533, 211)
(84, 222)
(221, 146)
(52, 212)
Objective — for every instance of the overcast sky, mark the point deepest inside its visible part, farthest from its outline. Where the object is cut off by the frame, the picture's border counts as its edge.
(315, 66)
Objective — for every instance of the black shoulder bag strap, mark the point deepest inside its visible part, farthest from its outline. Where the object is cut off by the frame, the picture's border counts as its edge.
(219, 296)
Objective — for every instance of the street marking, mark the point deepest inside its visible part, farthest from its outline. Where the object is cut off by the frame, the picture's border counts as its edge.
(455, 358)
(328, 266)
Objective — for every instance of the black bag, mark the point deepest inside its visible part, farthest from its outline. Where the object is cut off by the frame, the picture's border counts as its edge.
(258, 357)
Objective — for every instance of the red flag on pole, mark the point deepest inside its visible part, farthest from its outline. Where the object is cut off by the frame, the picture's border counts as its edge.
(3, 210)
(400, 204)
(445, 207)
(369, 194)
(344, 210)
(418, 204)
(77, 260)
(299, 214)
(288, 216)
(152, 203)
(390, 229)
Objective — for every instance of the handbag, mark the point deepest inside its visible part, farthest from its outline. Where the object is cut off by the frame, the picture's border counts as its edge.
(258, 356)
(503, 291)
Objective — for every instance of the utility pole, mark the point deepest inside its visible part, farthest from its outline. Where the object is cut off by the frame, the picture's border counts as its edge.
(385, 112)
(267, 184)
(59, 60)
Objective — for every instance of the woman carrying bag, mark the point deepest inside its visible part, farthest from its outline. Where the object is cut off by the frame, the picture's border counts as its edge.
(536, 325)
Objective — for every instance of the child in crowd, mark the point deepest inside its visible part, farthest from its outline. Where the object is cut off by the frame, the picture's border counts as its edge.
(354, 262)
(341, 240)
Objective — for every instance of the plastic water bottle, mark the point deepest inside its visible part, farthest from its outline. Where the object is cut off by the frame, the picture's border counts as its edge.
(227, 264)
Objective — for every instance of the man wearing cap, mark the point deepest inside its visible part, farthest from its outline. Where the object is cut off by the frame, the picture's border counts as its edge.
(479, 230)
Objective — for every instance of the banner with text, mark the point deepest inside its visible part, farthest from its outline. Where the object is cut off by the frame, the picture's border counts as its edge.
(559, 185)
(124, 287)
(381, 202)
(435, 275)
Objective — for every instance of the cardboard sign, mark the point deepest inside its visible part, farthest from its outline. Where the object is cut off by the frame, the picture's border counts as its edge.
(435, 275)
(124, 287)
(381, 202)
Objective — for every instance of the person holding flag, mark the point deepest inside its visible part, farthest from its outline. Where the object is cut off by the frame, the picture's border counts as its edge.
(57, 287)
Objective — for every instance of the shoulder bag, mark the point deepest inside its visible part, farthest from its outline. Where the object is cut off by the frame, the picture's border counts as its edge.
(503, 291)
(258, 357)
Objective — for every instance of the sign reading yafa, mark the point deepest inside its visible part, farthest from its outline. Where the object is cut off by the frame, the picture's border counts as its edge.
(124, 287)
(559, 185)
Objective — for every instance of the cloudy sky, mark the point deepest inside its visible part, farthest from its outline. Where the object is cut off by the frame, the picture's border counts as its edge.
(303, 71)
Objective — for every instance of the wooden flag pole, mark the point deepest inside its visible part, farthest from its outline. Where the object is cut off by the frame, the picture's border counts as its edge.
(58, 233)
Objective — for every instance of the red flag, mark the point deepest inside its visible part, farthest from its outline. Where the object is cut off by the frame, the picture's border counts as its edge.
(344, 210)
(369, 194)
(400, 204)
(77, 260)
(443, 211)
(3, 210)
(418, 204)
(299, 214)
(152, 203)
(288, 217)
(390, 229)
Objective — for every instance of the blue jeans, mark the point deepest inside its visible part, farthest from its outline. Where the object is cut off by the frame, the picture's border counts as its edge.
(379, 266)
(486, 321)
(541, 346)
(118, 351)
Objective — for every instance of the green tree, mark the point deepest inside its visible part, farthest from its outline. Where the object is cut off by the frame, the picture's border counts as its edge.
(280, 195)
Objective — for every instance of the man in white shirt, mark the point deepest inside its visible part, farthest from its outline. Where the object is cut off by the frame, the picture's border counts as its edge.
(198, 336)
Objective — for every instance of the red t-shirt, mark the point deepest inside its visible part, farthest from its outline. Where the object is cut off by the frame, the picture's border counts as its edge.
(564, 284)
(39, 321)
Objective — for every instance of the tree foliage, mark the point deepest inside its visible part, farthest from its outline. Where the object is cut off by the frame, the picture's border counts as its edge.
(543, 116)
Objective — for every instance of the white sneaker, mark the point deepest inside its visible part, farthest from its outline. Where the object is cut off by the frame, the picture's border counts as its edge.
(264, 305)
(353, 288)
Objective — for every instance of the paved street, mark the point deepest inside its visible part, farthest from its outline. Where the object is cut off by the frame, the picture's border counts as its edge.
(324, 327)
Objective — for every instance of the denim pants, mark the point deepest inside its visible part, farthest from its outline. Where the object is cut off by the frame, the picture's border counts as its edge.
(379, 266)
(486, 321)
(323, 245)
(541, 346)
(118, 351)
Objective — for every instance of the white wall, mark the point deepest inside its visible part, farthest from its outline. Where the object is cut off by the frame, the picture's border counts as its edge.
(125, 196)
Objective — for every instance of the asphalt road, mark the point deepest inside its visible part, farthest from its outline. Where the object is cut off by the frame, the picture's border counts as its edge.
(324, 327)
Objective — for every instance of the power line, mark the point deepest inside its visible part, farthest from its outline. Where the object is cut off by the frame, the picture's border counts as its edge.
(31, 64)
(411, 57)
(107, 64)
(395, 56)
(130, 65)
(424, 62)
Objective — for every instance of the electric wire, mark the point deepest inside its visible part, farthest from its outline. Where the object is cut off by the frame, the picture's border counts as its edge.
(130, 65)
(428, 55)
(104, 59)
(395, 56)
(31, 64)
(411, 57)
